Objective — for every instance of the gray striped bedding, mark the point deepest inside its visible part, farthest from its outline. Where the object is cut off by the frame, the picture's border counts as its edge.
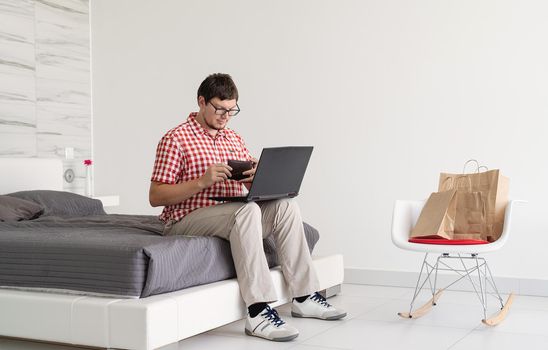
(114, 255)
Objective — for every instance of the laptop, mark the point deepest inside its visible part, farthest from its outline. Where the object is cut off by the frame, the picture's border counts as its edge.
(279, 174)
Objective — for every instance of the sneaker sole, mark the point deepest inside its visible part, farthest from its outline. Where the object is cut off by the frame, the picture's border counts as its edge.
(332, 318)
(283, 339)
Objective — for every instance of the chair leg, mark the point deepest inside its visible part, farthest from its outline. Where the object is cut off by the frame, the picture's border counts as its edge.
(418, 287)
(493, 285)
(468, 273)
(482, 287)
(436, 280)
(482, 293)
(501, 315)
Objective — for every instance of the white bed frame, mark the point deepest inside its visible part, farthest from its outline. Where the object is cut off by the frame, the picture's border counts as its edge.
(140, 324)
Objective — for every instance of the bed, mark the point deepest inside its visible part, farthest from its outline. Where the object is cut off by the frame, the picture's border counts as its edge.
(133, 315)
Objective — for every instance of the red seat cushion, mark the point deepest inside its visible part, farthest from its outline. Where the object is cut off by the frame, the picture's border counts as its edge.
(447, 241)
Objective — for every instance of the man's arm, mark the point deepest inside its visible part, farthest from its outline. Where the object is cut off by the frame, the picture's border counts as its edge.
(162, 194)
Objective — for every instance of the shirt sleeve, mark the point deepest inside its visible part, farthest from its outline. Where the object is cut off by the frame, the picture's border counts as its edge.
(169, 163)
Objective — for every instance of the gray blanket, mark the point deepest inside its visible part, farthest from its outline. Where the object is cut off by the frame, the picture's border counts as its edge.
(122, 255)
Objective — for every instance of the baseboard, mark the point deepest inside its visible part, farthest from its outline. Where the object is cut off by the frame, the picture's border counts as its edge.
(331, 291)
(521, 286)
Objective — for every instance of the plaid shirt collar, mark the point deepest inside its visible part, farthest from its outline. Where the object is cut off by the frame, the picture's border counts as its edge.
(198, 129)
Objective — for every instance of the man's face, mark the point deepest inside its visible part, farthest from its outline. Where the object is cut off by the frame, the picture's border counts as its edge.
(213, 109)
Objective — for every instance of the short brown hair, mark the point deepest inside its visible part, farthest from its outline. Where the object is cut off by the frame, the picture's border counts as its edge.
(218, 85)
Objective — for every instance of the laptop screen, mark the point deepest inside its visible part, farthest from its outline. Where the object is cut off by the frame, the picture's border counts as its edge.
(280, 171)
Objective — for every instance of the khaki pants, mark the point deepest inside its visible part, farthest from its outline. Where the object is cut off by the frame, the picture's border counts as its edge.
(245, 225)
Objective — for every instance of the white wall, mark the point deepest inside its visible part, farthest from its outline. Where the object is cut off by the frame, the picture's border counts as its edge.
(390, 93)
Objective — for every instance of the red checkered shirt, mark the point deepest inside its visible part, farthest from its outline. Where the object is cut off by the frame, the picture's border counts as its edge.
(185, 152)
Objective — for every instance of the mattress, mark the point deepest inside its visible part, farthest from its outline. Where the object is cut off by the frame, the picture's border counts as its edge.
(114, 255)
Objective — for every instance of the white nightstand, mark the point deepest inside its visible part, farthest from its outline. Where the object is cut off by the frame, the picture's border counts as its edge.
(109, 201)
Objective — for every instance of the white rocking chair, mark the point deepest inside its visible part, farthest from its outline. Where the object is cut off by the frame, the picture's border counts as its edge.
(404, 219)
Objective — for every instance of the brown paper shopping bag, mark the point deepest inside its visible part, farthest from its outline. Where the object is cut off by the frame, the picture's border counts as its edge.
(469, 216)
(493, 187)
(470, 212)
(437, 217)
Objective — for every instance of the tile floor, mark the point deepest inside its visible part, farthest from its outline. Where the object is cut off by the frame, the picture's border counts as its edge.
(372, 323)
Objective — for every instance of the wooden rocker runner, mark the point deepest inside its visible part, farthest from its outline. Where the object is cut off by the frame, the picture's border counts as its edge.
(499, 317)
(423, 310)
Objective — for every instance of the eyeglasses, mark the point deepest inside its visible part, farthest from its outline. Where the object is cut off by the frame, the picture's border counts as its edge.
(223, 111)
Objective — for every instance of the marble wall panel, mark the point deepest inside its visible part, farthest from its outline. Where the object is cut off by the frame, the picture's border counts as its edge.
(45, 85)
(17, 79)
(63, 107)
(17, 103)
(17, 145)
(17, 51)
(62, 40)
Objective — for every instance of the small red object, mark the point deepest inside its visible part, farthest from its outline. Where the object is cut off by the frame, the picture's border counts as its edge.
(88, 162)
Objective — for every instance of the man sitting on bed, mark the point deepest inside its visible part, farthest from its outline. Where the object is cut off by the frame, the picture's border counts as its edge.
(191, 166)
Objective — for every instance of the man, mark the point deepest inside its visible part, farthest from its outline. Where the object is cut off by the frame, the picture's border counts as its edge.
(190, 167)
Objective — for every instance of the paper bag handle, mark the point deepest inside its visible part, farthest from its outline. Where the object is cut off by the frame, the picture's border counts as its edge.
(469, 161)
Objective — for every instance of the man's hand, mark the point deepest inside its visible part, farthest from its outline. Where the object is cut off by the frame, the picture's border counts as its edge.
(215, 173)
(169, 194)
(251, 172)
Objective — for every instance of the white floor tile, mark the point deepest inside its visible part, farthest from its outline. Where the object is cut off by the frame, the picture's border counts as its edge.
(11, 344)
(528, 302)
(312, 347)
(501, 341)
(373, 291)
(212, 341)
(362, 334)
(456, 297)
(522, 321)
(471, 298)
(442, 315)
(234, 329)
(456, 315)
